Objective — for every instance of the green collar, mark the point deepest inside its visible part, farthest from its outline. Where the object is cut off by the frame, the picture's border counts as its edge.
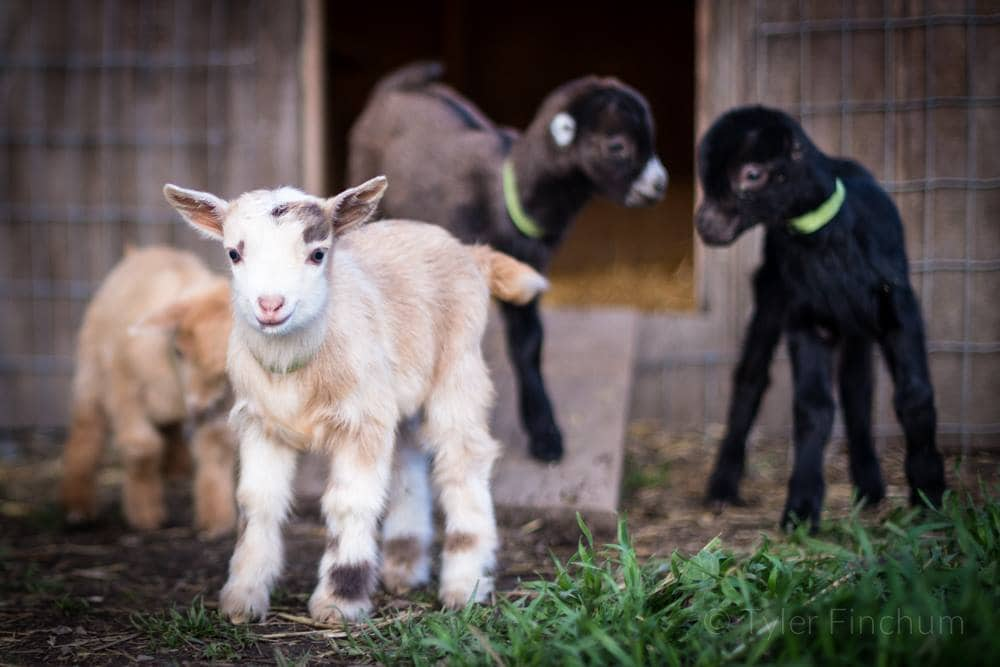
(522, 221)
(296, 365)
(816, 219)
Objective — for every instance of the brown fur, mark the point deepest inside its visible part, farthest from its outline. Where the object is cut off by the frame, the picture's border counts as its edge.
(459, 541)
(127, 386)
(404, 551)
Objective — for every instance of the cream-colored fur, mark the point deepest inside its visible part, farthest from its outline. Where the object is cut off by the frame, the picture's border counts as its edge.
(147, 360)
(390, 334)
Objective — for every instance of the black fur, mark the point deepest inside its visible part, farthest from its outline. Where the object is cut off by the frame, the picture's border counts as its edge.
(842, 288)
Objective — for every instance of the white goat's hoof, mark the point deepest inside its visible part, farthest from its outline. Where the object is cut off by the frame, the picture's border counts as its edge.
(456, 597)
(332, 610)
(406, 565)
(242, 604)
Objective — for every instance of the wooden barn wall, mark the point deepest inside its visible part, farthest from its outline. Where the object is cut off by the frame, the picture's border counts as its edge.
(103, 102)
(909, 88)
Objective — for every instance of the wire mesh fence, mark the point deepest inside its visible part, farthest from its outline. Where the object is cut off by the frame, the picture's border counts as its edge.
(103, 103)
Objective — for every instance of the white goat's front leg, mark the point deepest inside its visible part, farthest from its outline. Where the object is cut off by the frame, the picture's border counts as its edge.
(464, 453)
(408, 527)
(352, 504)
(263, 496)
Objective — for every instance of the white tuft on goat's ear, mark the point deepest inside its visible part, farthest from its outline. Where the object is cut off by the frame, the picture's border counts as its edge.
(356, 205)
(563, 129)
(202, 210)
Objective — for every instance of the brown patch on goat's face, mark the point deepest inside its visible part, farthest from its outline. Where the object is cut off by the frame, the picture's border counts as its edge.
(404, 551)
(459, 541)
(352, 582)
(316, 226)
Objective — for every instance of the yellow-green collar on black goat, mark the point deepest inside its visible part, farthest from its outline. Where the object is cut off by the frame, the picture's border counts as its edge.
(522, 220)
(816, 219)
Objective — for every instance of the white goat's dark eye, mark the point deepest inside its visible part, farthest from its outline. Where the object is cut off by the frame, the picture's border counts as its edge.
(317, 255)
(234, 256)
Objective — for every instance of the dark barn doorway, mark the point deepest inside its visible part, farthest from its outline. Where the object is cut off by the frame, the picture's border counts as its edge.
(507, 61)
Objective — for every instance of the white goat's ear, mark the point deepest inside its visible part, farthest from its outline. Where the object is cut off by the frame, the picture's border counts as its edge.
(202, 210)
(356, 205)
(563, 129)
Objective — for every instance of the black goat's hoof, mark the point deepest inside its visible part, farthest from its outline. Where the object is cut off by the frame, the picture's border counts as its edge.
(870, 496)
(933, 494)
(724, 488)
(547, 447)
(799, 511)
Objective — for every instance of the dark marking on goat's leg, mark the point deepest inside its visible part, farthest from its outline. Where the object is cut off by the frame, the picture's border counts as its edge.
(905, 352)
(855, 383)
(812, 360)
(352, 582)
(750, 381)
(524, 343)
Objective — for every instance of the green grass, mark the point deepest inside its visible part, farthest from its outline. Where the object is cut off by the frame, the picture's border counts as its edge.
(919, 586)
(197, 628)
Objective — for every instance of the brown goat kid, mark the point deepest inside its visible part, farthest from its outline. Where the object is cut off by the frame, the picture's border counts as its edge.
(517, 192)
(151, 355)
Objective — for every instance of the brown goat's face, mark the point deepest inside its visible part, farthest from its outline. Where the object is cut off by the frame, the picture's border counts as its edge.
(613, 140)
(199, 327)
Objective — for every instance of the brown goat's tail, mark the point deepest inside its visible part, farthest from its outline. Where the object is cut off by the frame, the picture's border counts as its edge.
(508, 279)
(88, 432)
(410, 76)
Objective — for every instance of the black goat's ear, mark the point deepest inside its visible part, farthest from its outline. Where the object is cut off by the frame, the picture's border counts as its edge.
(563, 129)
(356, 205)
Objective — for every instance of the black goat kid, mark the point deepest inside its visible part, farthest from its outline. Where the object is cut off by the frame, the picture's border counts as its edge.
(834, 277)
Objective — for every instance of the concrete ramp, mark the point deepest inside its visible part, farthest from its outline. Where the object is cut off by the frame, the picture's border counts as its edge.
(587, 361)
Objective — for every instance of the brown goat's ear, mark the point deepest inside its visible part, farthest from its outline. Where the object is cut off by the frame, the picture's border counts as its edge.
(164, 320)
(356, 205)
(202, 210)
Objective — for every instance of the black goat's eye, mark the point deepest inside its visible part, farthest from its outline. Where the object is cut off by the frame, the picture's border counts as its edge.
(616, 148)
(234, 255)
(752, 176)
(317, 255)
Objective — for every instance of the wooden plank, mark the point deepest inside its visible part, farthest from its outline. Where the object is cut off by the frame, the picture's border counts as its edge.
(588, 360)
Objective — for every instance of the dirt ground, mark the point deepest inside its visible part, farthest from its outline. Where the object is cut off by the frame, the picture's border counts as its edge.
(80, 595)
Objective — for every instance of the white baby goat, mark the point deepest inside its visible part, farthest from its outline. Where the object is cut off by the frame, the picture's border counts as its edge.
(339, 339)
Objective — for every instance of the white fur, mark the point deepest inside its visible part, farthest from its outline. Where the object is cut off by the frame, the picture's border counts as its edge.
(264, 494)
(563, 129)
(649, 185)
(388, 325)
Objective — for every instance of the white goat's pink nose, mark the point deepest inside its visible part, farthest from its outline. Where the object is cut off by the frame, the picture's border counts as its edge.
(271, 304)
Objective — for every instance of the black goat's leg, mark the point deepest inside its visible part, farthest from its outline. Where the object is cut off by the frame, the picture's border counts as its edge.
(750, 380)
(905, 352)
(855, 380)
(524, 344)
(812, 360)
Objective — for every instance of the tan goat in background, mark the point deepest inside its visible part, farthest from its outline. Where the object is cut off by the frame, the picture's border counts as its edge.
(151, 354)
